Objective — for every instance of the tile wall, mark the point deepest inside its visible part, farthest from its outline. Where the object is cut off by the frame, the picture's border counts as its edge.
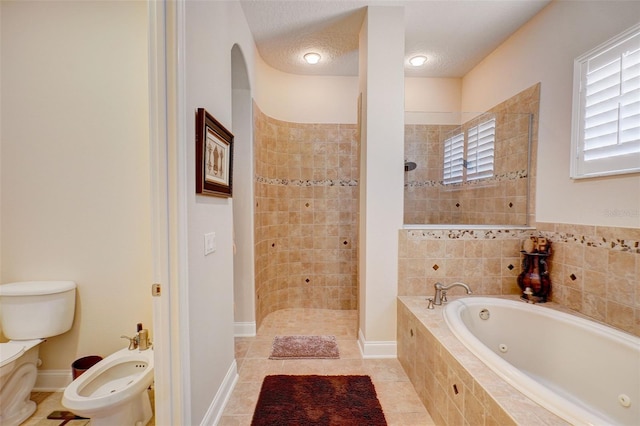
(594, 270)
(452, 383)
(306, 189)
(499, 200)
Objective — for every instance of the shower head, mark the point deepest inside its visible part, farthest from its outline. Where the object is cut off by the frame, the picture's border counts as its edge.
(409, 165)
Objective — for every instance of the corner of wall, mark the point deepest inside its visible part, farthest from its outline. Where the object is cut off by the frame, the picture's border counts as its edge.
(377, 349)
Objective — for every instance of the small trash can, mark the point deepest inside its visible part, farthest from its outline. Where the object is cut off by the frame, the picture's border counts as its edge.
(81, 365)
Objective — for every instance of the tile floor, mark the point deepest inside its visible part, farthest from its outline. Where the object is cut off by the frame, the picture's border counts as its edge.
(398, 399)
(49, 402)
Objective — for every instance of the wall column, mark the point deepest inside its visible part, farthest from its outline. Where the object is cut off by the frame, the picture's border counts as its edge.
(381, 176)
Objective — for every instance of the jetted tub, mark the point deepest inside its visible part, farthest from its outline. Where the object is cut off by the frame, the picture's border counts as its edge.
(584, 372)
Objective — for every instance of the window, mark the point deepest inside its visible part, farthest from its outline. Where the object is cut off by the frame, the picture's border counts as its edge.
(606, 108)
(480, 146)
(478, 164)
(453, 159)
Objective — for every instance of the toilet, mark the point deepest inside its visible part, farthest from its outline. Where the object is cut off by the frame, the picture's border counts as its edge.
(30, 312)
(114, 391)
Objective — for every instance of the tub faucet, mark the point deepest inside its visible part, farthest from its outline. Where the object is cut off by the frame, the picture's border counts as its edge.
(441, 291)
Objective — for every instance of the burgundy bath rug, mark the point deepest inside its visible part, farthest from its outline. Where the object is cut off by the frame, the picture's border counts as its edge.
(318, 401)
(305, 347)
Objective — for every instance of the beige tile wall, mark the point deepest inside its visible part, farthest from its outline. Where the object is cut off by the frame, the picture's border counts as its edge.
(305, 218)
(489, 261)
(499, 200)
(594, 270)
(434, 372)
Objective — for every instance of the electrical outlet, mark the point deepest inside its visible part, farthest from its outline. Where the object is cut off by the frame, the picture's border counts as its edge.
(209, 243)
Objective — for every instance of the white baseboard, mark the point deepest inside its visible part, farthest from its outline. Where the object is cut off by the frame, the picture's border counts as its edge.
(52, 380)
(214, 413)
(377, 349)
(244, 329)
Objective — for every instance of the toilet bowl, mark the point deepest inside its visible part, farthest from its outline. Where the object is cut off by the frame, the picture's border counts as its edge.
(29, 312)
(114, 391)
(18, 373)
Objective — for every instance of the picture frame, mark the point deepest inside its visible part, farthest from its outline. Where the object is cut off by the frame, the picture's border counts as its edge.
(214, 156)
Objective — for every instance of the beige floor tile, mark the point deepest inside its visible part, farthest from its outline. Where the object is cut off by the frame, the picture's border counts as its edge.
(235, 421)
(48, 402)
(243, 399)
(387, 370)
(255, 369)
(242, 346)
(260, 349)
(409, 419)
(349, 349)
(398, 399)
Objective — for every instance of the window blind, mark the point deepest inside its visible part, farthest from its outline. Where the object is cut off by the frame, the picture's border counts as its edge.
(453, 159)
(480, 150)
(607, 140)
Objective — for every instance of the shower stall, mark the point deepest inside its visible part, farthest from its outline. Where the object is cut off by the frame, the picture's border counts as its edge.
(306, 206)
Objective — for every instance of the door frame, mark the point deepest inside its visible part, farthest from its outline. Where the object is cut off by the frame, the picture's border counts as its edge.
(168, 210)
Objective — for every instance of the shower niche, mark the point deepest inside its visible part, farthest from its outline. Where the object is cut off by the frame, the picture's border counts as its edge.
(472, 168)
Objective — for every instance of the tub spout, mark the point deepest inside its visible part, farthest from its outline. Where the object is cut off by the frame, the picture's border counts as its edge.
(441, 291)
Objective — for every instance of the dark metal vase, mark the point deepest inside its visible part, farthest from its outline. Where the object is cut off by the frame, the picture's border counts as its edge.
(535, 276)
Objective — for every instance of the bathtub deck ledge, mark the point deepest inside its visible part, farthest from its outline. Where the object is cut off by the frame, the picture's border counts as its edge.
(470, 371)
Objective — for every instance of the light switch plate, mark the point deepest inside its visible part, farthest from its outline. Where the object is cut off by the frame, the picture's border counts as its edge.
(209, 243)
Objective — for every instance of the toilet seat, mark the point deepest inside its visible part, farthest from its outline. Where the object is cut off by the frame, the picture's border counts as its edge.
(13, 349)
(9, 352)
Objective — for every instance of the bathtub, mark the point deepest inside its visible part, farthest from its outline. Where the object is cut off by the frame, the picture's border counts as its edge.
(582, 371)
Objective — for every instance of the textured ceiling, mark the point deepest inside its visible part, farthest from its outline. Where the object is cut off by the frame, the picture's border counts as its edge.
(455, 35)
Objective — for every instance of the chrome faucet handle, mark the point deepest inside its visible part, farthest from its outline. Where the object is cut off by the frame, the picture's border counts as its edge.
(443, 297)
(133, 342)
(430, 303)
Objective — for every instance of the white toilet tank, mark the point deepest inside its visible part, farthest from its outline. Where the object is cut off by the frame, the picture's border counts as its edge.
(36, 309)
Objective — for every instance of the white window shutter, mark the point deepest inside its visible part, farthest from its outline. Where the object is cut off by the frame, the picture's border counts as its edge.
(606, 127)
(453, 159)
(480, 150)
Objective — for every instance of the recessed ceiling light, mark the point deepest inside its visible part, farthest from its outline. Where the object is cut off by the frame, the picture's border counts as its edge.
(312, 58)
(418, 61)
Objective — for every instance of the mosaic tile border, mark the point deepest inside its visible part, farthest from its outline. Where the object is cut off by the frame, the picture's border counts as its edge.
(469, 234)
(615, 244)
(514, 175)
(308, 182)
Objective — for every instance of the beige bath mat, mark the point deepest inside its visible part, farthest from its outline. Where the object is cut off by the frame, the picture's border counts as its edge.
(304, 347)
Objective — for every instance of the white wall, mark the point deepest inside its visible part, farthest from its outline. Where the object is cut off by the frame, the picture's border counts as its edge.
(432, 100)
(212, 29)
(243, 199)
(381, 176)
(543, 51)
(304, 98)
(75, 167)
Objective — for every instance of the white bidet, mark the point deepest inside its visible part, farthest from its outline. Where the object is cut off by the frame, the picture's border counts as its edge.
(114, 391)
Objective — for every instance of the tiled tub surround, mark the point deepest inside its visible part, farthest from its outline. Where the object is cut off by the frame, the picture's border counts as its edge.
(305, 217)
(544, 353)
(453, 384)
(594, 270)
(498, 200)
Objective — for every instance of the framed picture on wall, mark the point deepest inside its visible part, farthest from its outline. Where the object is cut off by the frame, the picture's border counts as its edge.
(214, 156)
